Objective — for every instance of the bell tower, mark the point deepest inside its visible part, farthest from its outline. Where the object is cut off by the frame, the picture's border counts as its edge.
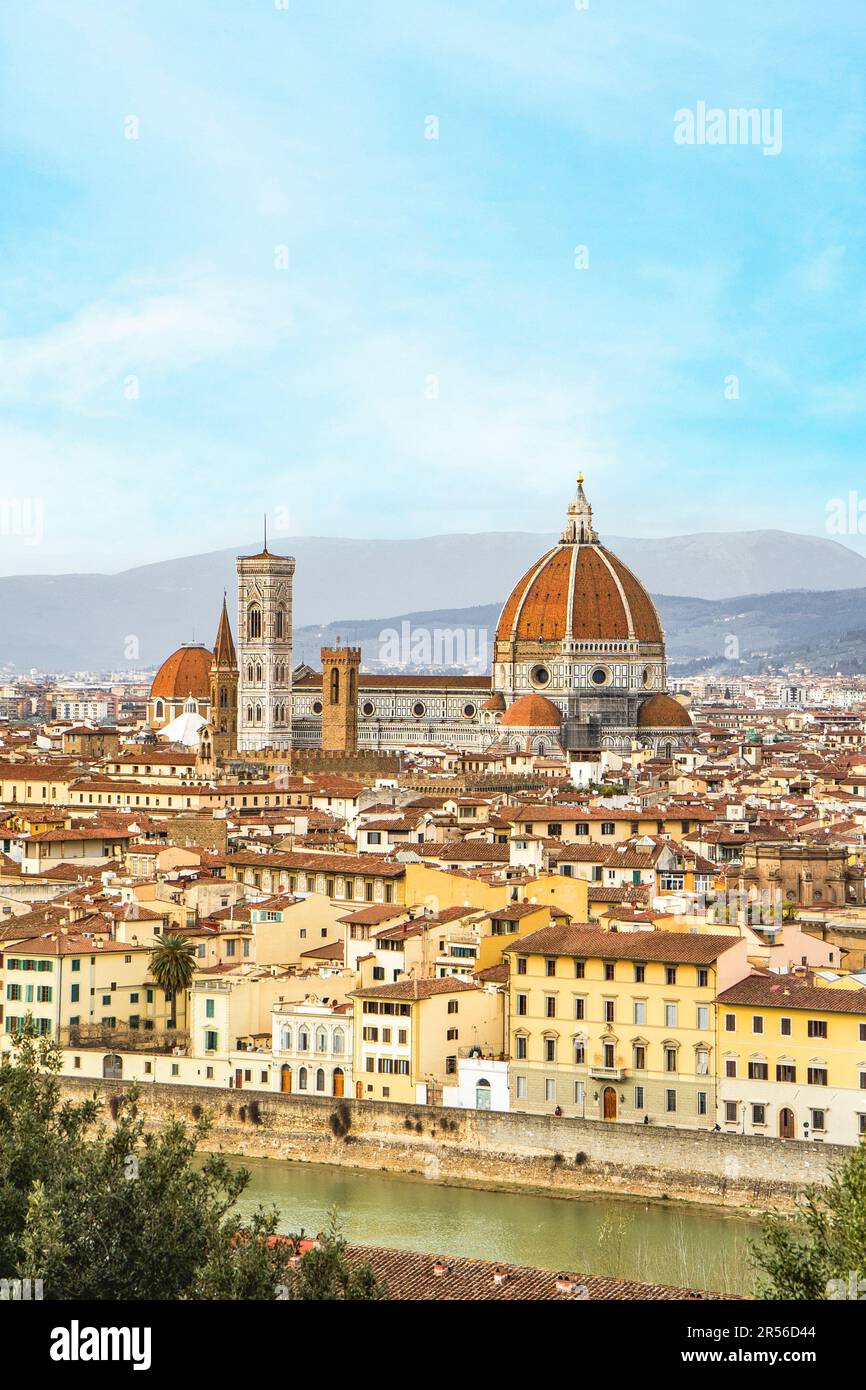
(340, 667)
(224, 690)
(265, 650)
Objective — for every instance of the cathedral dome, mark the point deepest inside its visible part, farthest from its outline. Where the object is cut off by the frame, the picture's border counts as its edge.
(579, 591)
(186, 672)
(663, 712)
(532, 712)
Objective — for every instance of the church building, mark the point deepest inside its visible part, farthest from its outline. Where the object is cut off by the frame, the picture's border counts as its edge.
(578, 667)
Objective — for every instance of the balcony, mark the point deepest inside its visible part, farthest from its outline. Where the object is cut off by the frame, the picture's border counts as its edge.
(599, 1073)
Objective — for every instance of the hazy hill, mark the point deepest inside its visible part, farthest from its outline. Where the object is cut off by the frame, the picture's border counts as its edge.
(826, 631)
(85, 621)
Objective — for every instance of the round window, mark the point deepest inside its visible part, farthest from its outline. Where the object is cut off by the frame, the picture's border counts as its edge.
(539, 675)
(317, 707)
(368, 708)
(469, 711)
(599, 676)
(419, 708)
(647, 676)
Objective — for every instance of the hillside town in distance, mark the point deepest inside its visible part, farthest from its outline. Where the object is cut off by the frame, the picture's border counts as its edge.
(572, 886)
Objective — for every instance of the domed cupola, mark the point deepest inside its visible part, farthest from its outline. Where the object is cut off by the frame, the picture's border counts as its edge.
(581, 629)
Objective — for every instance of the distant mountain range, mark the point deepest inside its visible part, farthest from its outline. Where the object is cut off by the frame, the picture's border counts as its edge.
(825, 631)
(137, 617)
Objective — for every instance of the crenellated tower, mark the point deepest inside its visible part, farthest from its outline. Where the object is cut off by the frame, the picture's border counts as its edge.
(340, 667)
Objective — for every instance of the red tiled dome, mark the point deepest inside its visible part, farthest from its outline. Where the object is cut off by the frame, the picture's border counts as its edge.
(582, 591)
(663, 712)
(532, 712)
(186, 672)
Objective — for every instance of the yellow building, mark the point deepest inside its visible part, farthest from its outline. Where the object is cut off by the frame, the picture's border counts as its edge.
(792, 1057)
(618, 1025)
(347, 878)
(408, 1035)
(74, 985)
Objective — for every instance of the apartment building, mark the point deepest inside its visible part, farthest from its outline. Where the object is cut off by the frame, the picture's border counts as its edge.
(618, 1025)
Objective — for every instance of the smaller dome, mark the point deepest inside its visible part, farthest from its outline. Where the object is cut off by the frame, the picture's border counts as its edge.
(186, 672)
(532, 712)
(663, 712)
(496, 703)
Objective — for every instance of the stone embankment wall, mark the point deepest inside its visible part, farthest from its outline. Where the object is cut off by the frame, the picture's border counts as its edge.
(466, 1147)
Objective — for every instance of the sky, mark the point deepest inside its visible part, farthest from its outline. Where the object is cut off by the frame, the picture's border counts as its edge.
(404, 267)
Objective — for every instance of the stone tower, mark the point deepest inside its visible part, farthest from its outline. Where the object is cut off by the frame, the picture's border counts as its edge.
(340, 667)
(224, 691)
(265, 651)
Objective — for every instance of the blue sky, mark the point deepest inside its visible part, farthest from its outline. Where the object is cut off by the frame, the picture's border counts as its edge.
(429, 359)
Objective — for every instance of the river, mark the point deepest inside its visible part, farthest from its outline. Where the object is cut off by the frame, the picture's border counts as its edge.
(660, 1242)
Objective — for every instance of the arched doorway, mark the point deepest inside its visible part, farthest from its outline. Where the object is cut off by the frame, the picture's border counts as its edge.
(482, 1094)
(608, 1101)
(338, 1081)
(787, 1124)
(286, 1079)
(112, 1067)
(359, 1090)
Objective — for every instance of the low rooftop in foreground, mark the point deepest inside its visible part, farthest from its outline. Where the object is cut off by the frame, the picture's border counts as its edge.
(409, 1275)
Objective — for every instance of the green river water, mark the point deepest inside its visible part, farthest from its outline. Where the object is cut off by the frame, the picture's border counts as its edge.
(660, 1242)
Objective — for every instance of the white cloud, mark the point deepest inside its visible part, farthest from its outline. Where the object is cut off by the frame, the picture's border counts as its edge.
(83, 362)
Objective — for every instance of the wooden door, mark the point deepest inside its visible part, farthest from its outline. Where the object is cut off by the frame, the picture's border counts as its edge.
(609, 1103)
(286, 1079)
(787, 1124)
(338, 1081)
(239, 1080)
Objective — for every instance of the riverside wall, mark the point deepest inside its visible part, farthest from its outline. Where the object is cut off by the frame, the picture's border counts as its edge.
(563, 1157)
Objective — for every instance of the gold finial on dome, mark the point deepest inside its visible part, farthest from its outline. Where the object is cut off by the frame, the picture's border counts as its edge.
(578, 526)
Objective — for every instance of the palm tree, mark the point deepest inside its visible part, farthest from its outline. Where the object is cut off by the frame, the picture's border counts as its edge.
(172, 966)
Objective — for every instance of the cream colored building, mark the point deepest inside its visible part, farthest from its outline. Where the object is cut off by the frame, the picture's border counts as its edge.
(408, 1035)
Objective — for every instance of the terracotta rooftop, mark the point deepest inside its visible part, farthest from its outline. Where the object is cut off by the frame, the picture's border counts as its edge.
(586, 940)
(410, 1276)
(414, 989)
(794, 992)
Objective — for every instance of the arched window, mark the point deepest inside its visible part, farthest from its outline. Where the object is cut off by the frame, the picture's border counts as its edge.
(302, 1079)
(160, 709)
(320, 1079)
(337, 1042)
(250, 673)
(254, 620)
(279, 623)
(321, 1040)
(224, 697)
(303, 1040)
(249, 714)
(335, 686)
(258, 673)
(287, 1039)
(258, 714)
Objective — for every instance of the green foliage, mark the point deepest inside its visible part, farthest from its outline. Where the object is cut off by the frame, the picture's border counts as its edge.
(325, 1274)
(106, 1211)
(172, 966)
(798, 1255)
